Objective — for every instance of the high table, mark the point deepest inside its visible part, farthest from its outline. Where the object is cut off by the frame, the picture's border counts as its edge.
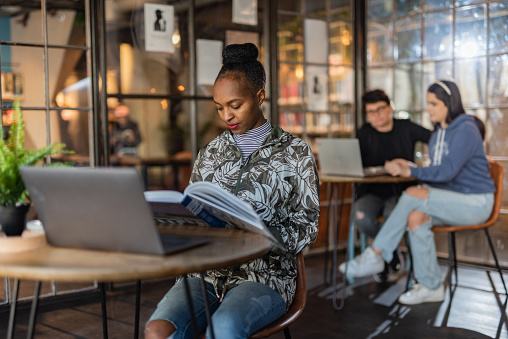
(334, 181)
(226, 247)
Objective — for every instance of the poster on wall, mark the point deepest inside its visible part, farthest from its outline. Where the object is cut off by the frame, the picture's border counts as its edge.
(209, 60)
(159, 24)
(245, 12)
(316, 38)
(317, 88)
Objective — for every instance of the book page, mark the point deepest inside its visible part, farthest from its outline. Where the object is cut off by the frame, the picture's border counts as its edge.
(226, 207)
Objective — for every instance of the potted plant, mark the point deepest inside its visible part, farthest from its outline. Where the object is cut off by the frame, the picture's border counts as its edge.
(14, 199)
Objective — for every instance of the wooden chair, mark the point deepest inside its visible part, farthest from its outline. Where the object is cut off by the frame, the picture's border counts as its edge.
(294, 311)
(496, 171)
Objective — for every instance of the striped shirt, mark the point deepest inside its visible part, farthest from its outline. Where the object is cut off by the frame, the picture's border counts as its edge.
(250, 140)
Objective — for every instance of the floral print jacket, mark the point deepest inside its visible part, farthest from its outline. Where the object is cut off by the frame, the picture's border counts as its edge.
(280, 181)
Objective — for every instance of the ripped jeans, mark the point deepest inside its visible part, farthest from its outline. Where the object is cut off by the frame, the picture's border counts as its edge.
(444, 208)
(245, 309)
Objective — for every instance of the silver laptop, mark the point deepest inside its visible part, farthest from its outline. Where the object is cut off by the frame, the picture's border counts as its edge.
(99, 209)
(342, 157)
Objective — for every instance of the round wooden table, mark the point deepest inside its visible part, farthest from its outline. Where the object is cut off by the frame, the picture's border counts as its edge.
(226, 247)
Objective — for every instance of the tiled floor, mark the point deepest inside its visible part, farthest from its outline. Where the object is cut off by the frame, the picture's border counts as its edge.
(370, 310)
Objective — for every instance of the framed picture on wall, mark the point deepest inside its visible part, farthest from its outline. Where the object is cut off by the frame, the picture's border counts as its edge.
(11, 85)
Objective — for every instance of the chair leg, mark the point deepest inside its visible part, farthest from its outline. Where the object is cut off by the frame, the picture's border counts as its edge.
(450, 264)
(454, 249)
(287, 335)
(495, 259)
(409, 264)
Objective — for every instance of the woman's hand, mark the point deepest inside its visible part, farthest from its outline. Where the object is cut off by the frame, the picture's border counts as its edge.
(398, 167)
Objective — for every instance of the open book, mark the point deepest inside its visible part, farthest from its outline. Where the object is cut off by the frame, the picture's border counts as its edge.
(212, 204)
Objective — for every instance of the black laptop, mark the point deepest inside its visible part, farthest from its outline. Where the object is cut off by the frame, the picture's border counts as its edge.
(99, 209)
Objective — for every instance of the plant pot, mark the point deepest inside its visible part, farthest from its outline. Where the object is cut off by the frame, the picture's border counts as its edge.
(13, 219)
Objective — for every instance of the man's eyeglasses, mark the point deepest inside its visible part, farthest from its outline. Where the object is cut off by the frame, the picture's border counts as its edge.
(377, 110)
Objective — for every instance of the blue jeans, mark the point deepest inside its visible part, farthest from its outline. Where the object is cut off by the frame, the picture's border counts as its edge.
(444, 208)
(368, 208)
(245, 309)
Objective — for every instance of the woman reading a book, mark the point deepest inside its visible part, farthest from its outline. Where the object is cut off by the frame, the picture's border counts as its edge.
(274, 172)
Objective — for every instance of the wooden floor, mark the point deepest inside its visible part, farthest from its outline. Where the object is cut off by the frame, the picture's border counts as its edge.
(370, 310)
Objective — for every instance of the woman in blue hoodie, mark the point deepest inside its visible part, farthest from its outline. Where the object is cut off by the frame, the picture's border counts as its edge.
(457, 190)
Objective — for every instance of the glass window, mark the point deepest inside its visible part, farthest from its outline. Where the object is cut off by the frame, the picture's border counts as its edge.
(439, 70)
(316, 8)
(69, 83)
(341, 43)
(408, 39)
(465, 2)
(471, 77)
(341, 86)
(71, 128)
(290, 84)
(498, 31)
(379, 9)
(381, 78)
(379, 42)
(23, 75)
(290, 36)
(292, 121)
(134, 70)
(22, 25)
(210, 124)
(438, 35)
(341, 10)
(498, 80)
(408, 89)
(470, 36)
(290, 5)
(66, 23)
(499, 127)
(405, 7)
(437, 4)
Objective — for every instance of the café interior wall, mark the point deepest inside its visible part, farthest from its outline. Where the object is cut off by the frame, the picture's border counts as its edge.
(31, 66)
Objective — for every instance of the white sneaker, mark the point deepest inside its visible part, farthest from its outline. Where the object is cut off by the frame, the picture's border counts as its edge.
(365, 264)
(420, 294)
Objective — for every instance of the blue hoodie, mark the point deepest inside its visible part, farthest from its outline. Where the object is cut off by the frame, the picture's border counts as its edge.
(458, 159)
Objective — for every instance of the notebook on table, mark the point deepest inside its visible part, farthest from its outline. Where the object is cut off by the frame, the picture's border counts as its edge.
(342, 157)
(98, 209)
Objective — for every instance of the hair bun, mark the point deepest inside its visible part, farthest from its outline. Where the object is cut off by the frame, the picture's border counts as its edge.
(236, 53)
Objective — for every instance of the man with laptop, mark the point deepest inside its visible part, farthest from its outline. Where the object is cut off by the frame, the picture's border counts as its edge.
(383, 138)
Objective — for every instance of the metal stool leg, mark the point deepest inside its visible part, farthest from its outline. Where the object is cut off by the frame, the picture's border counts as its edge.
(136, 316)
(495, 259)
(191, 307)
(33, 310)
(12, 315)
(207, 304)
(102, 288)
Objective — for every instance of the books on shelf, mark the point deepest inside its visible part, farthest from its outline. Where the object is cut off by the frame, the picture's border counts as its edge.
(205, 202)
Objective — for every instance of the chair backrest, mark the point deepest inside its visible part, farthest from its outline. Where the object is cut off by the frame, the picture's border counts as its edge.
(296, 307)
(496, 171)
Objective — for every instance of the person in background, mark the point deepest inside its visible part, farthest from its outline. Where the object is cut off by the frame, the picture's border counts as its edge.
(457, 190)
(276, 173)
(383, 138)
(125, 134)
